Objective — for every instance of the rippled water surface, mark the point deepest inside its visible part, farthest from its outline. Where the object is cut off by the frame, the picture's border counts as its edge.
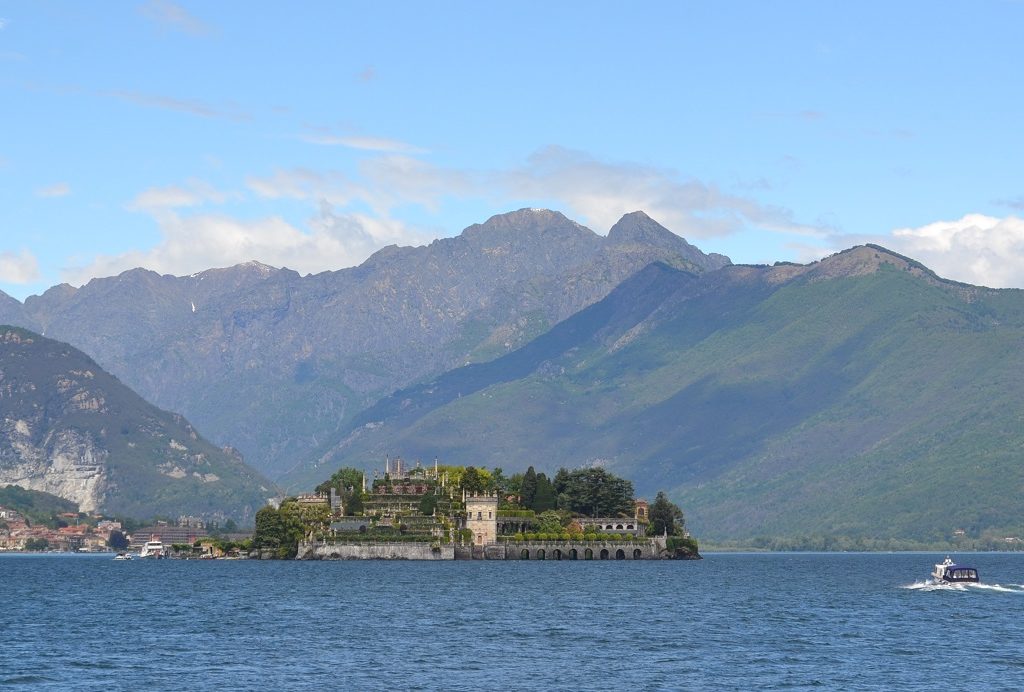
(847, 621)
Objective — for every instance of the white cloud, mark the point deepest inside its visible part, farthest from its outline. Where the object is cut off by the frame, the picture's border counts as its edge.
(173, 16)
(975, 249)
(18, 268)
(194, 243)
(55, 190)
(194, 193)
(355, 211)
(381, 144)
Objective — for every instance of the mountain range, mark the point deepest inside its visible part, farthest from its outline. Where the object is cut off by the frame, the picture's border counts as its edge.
(275, 364)
(69, 428)
(860, 395)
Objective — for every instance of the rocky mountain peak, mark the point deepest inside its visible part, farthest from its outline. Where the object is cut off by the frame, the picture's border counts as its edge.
(637, 228)
(525, 222)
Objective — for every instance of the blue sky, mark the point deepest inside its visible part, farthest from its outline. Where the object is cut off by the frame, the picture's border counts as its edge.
(186, 135)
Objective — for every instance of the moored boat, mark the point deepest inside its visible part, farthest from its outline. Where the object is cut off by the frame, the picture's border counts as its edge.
(123, 556)
(153, 549)
(949, 572)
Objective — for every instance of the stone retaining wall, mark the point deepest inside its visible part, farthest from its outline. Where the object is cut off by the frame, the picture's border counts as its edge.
(373, 551)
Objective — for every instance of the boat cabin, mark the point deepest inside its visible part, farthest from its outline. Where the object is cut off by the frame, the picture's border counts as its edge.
(950, 572)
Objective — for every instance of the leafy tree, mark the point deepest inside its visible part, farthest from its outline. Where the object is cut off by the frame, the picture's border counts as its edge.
(515, 484)
(342, 480)
(498, 481)
(428, 504)
(473, 481)
(279, 529)
(594, 492)
(117, 540)
(550, 522)
(665, 516)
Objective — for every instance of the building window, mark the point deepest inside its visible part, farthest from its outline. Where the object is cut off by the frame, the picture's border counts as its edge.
(479, 515)
(488, 515)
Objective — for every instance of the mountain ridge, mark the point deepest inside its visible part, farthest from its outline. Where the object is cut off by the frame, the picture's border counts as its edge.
(858, 395)
(273, 363)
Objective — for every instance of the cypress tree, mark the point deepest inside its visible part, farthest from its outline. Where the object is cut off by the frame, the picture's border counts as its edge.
(529, 488)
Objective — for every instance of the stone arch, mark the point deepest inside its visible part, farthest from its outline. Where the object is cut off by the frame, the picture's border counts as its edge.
(630, 527)
(608, 527)
(620, 554)
(618, 527)
(637, 554)
(524, 554)
(556, 554)
(604, 553)
(588, 554)
(573, 555)
(539, 554)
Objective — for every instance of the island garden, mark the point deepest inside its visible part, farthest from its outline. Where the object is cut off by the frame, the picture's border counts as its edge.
(466, 512)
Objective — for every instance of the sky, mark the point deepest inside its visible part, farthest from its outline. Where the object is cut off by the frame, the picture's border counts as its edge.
(180, 136)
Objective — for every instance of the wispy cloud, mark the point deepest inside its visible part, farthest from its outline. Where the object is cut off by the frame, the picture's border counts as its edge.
(1012, 203)
(193, 193)
(171, 15)
(603, 191)
(190, 106)
(55, 190)
(379, 144)
(3, 23)
(18, 268)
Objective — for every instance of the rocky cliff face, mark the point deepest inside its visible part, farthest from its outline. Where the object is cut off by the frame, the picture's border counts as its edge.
(276, 364)
(70, 429)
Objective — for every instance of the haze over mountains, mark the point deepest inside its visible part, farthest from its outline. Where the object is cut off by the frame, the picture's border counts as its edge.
(858, 395)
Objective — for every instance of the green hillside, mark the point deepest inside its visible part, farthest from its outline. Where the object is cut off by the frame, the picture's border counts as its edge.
(38, 507)
(858, 396)
(69, 428)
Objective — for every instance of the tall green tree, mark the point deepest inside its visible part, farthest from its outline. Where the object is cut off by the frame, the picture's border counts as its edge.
(528, 488)
(665, 516)
(545, 497)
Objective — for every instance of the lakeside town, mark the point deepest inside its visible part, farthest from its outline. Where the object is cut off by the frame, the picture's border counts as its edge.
(24, 530)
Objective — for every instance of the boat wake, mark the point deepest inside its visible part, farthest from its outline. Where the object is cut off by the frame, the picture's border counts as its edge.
(930, 585)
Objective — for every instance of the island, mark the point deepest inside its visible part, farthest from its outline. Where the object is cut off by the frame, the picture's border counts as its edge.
(444, 512)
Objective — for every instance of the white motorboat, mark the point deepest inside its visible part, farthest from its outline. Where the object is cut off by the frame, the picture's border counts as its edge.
(949, 572)
(153, 549)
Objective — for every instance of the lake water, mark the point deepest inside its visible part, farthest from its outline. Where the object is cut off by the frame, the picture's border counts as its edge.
(731, 621)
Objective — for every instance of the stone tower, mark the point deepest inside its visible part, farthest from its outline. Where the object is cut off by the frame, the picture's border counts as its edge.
(482, 517)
